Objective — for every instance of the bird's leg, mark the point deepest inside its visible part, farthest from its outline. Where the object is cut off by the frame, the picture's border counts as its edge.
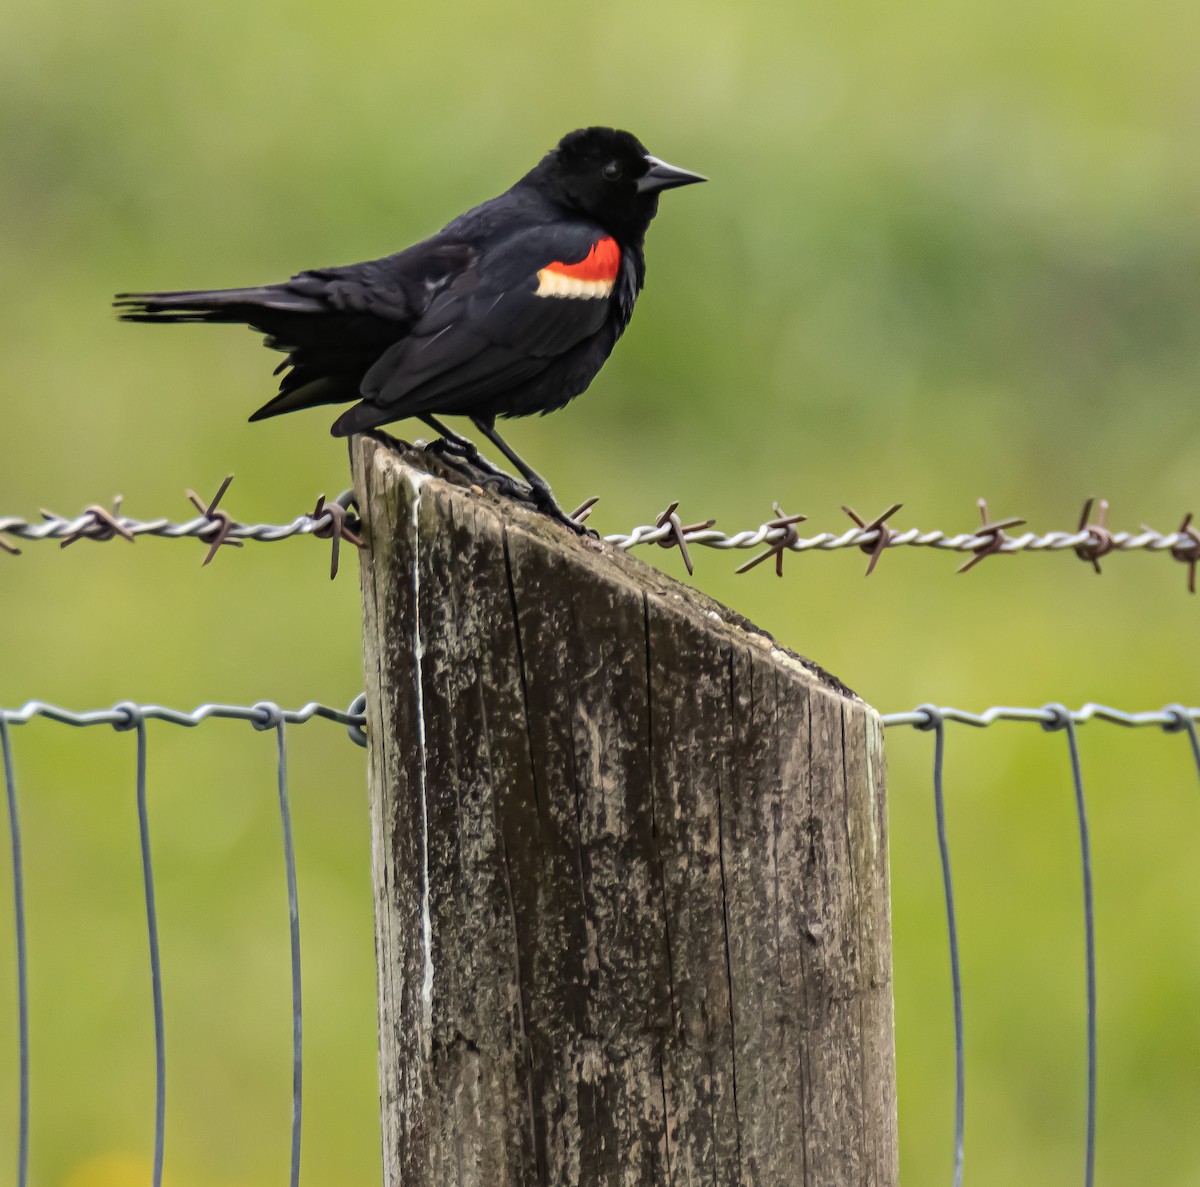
(461, 453)
(542, 497)
(453, 443)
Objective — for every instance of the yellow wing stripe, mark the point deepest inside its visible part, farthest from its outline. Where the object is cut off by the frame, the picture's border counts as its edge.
(552, 283)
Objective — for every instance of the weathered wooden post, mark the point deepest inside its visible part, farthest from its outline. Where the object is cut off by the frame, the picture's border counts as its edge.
(630, 864)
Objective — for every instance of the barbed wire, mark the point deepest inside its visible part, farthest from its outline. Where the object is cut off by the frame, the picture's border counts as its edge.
(1091, 540)
(214, 526)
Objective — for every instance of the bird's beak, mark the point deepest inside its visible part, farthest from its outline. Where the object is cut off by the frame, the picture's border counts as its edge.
(661, 176)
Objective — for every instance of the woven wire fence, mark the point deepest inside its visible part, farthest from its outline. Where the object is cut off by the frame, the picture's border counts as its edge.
(268, 717)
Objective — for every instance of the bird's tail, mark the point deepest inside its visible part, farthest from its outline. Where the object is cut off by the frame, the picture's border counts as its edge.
(213, 305)
(321, 367)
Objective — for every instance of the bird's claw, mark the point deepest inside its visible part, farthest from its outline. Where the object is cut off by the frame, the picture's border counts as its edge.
(507, 487)
(463, 456)
(545, 502)
(447, 447)
(466, 458)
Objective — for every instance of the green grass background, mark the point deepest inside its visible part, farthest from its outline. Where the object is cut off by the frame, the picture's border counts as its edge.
(948, 251)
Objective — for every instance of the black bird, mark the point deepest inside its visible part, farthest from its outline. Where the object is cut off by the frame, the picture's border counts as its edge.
(508, 310)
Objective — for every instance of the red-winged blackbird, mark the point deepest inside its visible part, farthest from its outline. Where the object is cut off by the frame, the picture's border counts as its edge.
(510, 309)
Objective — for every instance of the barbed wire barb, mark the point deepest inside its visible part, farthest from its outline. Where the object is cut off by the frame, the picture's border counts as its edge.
(582, 513)
(677, 533)
(222, 519)
(878, 525)
(103, 525)
(1188, 550)
(1100, 541)
(785, 524)
(331, 524)
(991, 532)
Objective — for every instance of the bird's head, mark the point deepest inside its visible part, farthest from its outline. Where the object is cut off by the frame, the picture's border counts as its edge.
(609, 176)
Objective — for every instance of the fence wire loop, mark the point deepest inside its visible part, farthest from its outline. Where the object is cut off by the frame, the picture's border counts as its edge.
(132, 716)
(357, 709)
(991, 531)
(1057, 717)
(788, 537)
(220, 518)
(883, 536)
(267, 715)
(1100, 539)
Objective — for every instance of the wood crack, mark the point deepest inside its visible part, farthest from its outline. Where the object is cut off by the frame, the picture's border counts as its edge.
(660, 874)
(733, 1058)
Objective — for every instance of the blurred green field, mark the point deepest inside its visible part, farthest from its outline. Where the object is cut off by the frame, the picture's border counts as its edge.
(948, 251)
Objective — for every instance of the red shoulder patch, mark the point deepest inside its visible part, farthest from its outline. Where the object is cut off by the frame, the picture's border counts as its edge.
(602, 263)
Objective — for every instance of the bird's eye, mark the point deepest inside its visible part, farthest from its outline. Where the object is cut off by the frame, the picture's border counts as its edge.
(612, 171)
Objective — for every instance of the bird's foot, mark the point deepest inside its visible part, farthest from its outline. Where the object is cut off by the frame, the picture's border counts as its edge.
(462, 450)
(506, 487)
(545, 502)
(461, 455)
(485, 477)
(464, 457)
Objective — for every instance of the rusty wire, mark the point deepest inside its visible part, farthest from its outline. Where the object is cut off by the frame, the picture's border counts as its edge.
(329, 520)
(677, 532)
(1089, 541)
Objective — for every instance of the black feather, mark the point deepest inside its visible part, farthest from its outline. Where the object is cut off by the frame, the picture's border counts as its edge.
(455, 324)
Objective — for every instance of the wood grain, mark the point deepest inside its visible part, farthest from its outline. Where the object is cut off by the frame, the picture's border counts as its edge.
(630, 863)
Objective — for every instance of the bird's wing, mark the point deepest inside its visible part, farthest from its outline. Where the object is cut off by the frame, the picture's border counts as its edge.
(395, 289)
(525, 301)
(331, 322)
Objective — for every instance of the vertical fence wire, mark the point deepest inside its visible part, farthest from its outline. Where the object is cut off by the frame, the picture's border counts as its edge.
(275, 719)
(137, 722)
(1064, 721)
(934, 722)
(18, 879)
